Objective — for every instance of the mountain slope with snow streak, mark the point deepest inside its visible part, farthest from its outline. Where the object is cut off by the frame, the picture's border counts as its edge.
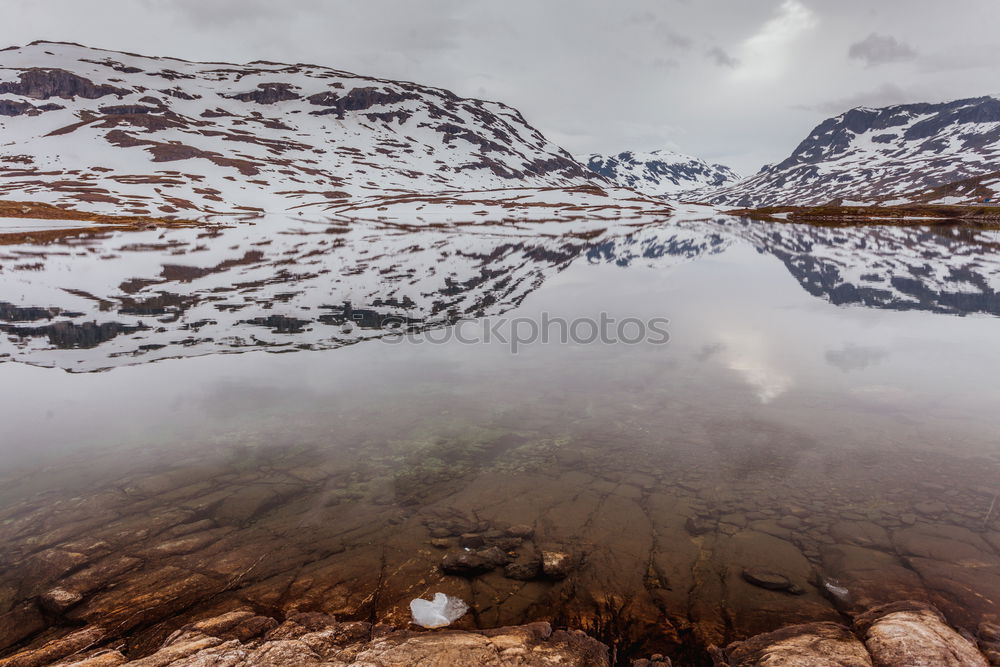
(659, 173)
(891, 155)
(114, 132)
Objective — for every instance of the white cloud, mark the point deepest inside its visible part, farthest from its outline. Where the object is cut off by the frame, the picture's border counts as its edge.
(767, 54)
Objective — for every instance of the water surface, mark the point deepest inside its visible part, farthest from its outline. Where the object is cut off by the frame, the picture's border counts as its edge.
(196, 420)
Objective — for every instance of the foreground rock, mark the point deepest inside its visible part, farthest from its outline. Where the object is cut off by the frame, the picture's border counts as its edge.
(244, 638)
(806, 645)
(901, 634)
(913, 633)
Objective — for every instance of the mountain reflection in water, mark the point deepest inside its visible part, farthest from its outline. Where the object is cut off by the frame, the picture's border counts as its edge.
(294, 285)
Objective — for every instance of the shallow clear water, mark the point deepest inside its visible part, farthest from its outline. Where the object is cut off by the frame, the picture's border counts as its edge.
(825, 408)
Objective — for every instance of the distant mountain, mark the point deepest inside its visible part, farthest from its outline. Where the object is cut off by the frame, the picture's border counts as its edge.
(944, 153)
(659, 172)
(108, 131)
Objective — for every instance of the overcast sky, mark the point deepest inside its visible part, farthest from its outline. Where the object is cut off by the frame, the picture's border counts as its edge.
(734, 81)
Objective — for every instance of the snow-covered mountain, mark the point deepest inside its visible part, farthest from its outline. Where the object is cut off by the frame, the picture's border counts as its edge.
(659, 173)
(116, 132)
(943, 153)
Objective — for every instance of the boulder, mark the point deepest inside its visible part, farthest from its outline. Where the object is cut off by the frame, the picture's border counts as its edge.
(523, 571)
(910, 634)
(808, 645)
(466, 564)
(772, 581)
(556, 564)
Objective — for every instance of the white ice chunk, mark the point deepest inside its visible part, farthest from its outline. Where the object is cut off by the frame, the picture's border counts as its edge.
(441, 611)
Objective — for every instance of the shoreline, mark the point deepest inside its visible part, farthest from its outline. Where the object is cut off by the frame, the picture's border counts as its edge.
(897, 634)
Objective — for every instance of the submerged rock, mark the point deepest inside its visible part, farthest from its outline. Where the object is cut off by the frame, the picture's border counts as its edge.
(494, 555)
(772, 581)
(523, 571)
(466, 564)
(696, 526)
(522, 531)
(930, 507)
(59, 600)
(472, 541)
(556, 564)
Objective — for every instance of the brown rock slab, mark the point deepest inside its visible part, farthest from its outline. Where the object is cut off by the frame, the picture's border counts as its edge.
(103, 658)
(534, 644)
(911, 634)
(58, 648)
(20, 622)
(808, 645)
(861, 533)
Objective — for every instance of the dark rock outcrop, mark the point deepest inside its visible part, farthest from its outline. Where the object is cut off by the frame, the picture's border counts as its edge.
(41, 84)
(268, 93)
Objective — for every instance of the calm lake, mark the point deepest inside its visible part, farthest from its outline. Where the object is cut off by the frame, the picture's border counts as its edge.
(196, 420)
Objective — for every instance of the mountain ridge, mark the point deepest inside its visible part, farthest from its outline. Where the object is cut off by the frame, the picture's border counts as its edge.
(881, 155)
(150, 135)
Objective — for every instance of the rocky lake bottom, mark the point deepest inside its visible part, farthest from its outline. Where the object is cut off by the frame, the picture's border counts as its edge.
(805, 447)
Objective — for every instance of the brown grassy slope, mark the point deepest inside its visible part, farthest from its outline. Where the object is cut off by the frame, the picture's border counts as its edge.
(37, 211)
(909, 214)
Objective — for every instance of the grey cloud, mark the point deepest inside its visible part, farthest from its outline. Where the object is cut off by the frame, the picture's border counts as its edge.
(677, 39)
(592, 75)
(878, 49)
(650, 20)
(665, 63)
(717, 55)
